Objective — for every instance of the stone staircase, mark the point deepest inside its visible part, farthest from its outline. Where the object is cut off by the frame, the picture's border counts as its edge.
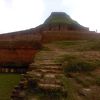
(46, 71)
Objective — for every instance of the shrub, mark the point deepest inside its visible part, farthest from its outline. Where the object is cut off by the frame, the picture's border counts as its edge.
(98, 81)
(77, 65)
(95, 46)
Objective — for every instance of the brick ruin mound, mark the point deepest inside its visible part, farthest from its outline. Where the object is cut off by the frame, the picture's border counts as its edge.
(21, 46)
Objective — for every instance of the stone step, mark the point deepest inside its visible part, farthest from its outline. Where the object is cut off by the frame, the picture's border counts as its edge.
(49, 86)
(45, 63)
(41, 75)
(44, 71)
(50, 67)
(45, 55)
(35, 74)
(50, 81)
(47, 68)
(44, 58)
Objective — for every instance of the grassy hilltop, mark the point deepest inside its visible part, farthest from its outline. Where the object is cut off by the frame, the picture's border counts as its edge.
(59, 17)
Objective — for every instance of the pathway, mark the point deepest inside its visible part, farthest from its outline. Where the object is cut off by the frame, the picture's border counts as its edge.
(47, 71)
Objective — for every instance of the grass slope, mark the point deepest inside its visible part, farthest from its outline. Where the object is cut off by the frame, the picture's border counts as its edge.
(81, 62)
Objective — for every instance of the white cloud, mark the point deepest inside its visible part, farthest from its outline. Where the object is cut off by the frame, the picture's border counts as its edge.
(23, 14)
(86, 12)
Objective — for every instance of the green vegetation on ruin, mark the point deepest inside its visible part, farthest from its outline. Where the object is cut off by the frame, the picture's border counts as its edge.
(60, 17)
(79, 45)
(74, 64)
(81, 62)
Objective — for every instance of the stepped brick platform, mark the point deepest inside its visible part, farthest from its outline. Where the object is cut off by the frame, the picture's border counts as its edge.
(19, 48)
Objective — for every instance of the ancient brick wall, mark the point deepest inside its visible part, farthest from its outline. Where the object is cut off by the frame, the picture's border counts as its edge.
(22, 46)
(27, 35)
(17, 55)
(48, 36)
(19, 47)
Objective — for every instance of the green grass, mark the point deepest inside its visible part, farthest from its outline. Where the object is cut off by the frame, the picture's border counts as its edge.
(62, 18)
(73, 63)
(98, 81)
(79, 66)
(64, 44)
(79, 45)
(85, 81)
(7, 83)
(70, 88)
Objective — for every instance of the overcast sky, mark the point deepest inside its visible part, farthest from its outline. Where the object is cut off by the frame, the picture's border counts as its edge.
(24, 14)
